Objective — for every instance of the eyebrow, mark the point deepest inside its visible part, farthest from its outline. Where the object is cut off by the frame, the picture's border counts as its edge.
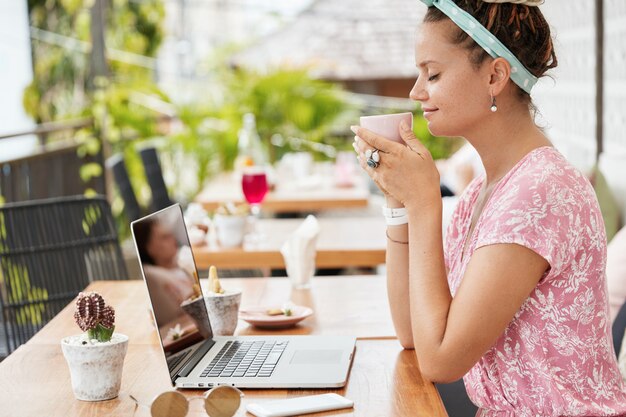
(424, 63)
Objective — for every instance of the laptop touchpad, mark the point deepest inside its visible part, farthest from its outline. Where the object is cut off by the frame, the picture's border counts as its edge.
(316, 357)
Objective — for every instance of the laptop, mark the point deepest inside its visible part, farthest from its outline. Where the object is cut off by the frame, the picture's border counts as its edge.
(198, 359)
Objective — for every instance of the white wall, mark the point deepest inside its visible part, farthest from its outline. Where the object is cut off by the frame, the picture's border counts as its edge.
(568, 105)
(613, 160)
(15, 74)
(567, 102)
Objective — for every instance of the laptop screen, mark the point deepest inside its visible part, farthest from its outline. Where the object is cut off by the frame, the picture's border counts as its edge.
(172, 279)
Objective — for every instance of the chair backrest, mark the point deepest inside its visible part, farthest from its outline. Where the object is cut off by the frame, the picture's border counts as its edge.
(120, 174)
(154, 174)
(619, 328)
(50, 250)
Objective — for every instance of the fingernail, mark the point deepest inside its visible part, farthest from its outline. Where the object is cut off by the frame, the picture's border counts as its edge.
(355, 147)
(354, 129)
(356, 140)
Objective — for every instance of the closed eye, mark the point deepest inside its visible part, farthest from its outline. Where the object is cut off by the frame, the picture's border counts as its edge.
(433, 77)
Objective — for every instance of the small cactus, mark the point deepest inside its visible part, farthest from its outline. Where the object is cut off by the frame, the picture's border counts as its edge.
(93, 316)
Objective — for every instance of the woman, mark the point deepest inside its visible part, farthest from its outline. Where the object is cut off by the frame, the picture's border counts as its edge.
(515, 301)
(169, 284)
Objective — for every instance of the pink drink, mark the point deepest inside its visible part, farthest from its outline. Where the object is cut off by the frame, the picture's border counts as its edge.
(254, 187)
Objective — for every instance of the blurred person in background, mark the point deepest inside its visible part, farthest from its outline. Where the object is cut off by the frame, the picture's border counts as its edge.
(163, 263)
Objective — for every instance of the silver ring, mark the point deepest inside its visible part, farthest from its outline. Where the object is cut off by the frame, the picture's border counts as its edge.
(373, 158)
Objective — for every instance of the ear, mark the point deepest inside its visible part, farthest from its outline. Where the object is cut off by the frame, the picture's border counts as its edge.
(500, 72)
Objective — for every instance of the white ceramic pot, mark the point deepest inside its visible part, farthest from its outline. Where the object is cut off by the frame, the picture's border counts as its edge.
(223, 312)
(230, 230)
(95, 369)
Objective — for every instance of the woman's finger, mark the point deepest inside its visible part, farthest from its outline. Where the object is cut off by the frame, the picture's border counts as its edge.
(376, 141)
(362, 148)
(371, 172)
(408, 136)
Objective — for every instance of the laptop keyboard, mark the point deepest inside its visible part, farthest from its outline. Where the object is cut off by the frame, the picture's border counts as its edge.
(246, 359)
(173, 361)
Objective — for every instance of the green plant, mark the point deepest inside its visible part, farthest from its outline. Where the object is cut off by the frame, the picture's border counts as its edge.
(286, 103)
(292, 104)
(61, 88)
(440, 148)
(21, 290)
(93, 316)
(291, 108)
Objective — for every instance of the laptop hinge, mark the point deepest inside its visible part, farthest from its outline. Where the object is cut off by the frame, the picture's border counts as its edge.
(196, 358)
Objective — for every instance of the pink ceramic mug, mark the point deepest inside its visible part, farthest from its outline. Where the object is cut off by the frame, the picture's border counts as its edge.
(387, 125)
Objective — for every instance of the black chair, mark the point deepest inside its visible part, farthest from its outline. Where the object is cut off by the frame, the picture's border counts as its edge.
(49, 251)
(618, 329)
(154, 174)
(455, 399)
(120, 174)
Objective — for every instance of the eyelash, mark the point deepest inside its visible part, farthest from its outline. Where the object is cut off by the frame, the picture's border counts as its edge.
(433, 77)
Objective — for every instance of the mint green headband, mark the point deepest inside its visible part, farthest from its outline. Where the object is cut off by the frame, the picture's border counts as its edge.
(519, 74)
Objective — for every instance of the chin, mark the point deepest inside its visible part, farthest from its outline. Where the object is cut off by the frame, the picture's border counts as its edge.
(437, 129)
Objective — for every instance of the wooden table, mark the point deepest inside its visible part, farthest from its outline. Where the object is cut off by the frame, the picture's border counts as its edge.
(288, 199)
(352, 305)
(384, 381)
(349, 241)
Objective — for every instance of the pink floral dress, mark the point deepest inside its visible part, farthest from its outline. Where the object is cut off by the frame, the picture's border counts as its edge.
(556, 357)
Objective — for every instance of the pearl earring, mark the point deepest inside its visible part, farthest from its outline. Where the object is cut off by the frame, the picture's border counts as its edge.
(494, 107)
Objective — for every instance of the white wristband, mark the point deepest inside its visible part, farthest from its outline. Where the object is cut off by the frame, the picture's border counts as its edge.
(397, 221)
(394, 212)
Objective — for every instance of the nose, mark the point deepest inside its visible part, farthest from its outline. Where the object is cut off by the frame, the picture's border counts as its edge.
(418, 93)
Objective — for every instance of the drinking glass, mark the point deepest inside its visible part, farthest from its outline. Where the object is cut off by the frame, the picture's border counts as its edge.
(254, 186)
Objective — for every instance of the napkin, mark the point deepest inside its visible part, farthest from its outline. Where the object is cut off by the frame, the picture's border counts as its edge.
(299, 252)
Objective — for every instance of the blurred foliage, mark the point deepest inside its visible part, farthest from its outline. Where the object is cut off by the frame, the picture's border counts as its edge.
(293, 111)
(288, 103)
(61, 66)
(21, 294)
(60, 88)
(440, 148)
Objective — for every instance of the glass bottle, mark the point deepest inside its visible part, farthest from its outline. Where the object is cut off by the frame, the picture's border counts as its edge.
(250, 149)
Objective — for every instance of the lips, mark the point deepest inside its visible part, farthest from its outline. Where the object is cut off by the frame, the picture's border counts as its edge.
(428, 111)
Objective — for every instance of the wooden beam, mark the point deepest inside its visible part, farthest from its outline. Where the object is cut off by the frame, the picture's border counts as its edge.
(97, 57)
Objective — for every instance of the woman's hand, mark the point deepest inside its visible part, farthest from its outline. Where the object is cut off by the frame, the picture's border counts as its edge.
(405, 173)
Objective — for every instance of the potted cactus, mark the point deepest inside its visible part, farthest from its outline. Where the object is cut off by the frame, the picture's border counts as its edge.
(95, 357)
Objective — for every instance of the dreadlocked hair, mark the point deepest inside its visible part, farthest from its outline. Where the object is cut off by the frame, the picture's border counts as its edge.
(521, 28)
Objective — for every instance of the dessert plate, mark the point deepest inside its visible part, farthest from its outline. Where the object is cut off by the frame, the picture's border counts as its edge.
(258, 317)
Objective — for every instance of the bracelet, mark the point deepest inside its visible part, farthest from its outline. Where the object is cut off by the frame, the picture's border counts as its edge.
(396, 221)
(394, 212)
(395, 241)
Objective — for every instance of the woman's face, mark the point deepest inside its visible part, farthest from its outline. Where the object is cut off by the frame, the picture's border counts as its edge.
(162, 246)
(454, 94)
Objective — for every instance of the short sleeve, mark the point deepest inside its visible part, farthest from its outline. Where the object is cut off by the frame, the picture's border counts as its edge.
(545, 208)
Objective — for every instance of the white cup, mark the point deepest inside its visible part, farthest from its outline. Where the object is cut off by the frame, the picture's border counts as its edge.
(387, 125)
(230, 230)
